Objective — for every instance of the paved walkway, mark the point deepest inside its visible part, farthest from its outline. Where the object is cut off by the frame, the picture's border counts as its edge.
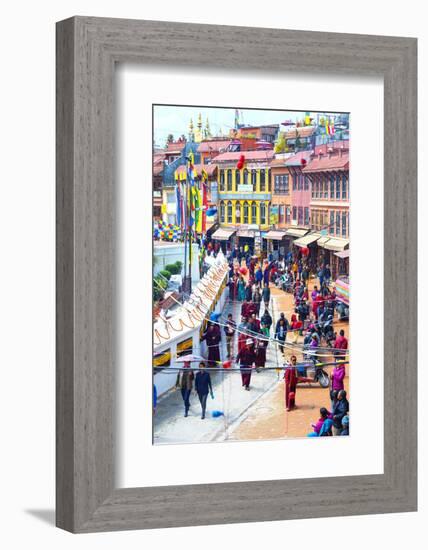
(170, 425)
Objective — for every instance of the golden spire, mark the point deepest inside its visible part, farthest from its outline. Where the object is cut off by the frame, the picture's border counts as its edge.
(191, 131)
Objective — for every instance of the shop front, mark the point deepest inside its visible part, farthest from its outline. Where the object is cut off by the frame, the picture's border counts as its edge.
(225, 236)
(276, 243)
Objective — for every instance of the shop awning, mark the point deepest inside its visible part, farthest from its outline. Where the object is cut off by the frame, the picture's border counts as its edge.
(342, 254)
(296, 232)
(223, 234)
(336, 244)
(322, 240)
(274, 235)
(307, 239)
(249, 233)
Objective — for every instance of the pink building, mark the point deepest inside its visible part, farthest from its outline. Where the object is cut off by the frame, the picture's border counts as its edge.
(328, 172)
(300, 189)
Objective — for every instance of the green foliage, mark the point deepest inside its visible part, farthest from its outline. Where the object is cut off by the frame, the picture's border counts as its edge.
(175, 268)
(159, 286)
(165, 273)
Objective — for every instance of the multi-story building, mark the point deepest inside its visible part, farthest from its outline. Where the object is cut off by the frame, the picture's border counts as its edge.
(244, 196)
(176, 155)
(210, 148)
(328, 172)
(157, 176)
(300, 190)
(281, 191)
(267, 132)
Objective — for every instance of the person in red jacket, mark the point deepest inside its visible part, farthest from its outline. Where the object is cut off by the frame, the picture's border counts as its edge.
(340, 344)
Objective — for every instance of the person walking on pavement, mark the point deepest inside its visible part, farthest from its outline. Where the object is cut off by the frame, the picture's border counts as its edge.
(212, 337)
(203, 386)
(184, 382)
(281, 329)
(246, 359)
(340, 344)
(229, 330)
(266, 320)
(266, 295)
(257, 298)
(262, 344)
(290, 377)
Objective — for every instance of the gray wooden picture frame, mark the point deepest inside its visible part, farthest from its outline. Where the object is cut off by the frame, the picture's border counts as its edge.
(87, 51)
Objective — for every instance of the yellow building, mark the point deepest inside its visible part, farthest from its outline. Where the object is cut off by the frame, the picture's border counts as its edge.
(244, 195)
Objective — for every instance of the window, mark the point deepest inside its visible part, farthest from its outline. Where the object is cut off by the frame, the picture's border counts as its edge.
(245, 174)
(344, 225)
(254, 179)
(253, 212)
(245, 212)
(221, 180)
(294, 182)
(332, 186)
(344, 187)
(263, 180)
(238, 177)
(331, 225)
(306, 183)
(294, 213)
(221, 212)
(300, 215)
(171, 198)
(238, 213)
(306, 220)
(325, 187)
(337, 223)
(262, 213)
(281, 216)
(229, 212)
(281, 184)
(229, 180)
(338, 186)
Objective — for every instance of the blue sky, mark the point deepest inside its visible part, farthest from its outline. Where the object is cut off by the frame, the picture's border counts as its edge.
(175, 119)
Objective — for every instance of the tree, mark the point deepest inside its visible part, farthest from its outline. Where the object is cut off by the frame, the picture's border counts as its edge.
(281, 144)
(169, 139)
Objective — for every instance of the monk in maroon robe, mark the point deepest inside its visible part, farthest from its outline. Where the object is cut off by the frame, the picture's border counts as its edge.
(290, 377)
(246, 359)
(213, 338)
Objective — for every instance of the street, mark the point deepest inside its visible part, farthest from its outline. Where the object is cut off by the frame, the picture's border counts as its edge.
(257, 414)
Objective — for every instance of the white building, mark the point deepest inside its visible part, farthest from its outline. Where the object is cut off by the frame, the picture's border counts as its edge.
(180, 334)
(165, 253)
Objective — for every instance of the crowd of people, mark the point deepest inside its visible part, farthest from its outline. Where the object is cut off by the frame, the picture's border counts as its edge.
(311, 326)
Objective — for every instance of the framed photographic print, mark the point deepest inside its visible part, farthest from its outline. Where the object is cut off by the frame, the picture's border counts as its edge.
(213, 363)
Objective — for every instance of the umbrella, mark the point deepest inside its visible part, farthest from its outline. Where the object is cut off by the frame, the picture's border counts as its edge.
(189, 358)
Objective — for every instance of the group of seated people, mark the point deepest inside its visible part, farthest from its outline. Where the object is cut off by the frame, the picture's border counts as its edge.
(336, 421)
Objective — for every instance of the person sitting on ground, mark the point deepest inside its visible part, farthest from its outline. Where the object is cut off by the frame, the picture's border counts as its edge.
(345, 425)
(341, 409)
(324, 415)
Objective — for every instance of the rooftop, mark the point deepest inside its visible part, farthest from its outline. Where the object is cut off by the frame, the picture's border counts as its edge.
(265, 156)
(206, 146)
(330, 161)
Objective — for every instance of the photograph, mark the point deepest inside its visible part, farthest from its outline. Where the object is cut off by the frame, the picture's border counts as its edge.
(251, 290)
